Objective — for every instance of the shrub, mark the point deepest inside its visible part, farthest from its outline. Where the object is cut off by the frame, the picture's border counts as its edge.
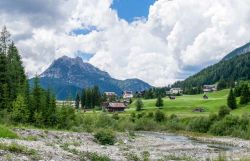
(223, 111)
(104, 120)
(226, 126)
(159, 116)
(105, 136)
(115, 116)
(213, 117)
(173, 116)
(140, 115)
(159, 102)
(200, 124)
(146, 124)
(150, 114)
(139, 104)
(7, 133)
(65, 117)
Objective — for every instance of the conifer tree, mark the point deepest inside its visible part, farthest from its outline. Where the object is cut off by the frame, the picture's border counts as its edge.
(244, 98)
(83, 98)
(36, 95)
(231, 100)
(159, 102)
(77, 101)
(139, 104)
(20, 111)
(4, 40)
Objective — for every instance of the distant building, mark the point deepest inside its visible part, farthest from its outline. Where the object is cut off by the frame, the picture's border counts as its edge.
(127, 95)
(111, 96)
(114, 107)
(175, 91)
(209, 88)
(108, 94)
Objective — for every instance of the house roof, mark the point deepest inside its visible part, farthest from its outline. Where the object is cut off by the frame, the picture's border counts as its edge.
(116, 105)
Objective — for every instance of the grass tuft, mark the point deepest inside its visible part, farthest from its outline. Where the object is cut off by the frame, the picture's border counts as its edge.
(5, 132)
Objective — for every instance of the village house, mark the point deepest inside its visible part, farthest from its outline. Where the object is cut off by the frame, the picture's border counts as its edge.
(209, 88)
(175, 91)
(127, 95)
(114, 107)
(111, 96)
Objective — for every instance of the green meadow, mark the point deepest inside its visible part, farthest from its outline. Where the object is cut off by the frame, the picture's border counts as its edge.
(184, 105)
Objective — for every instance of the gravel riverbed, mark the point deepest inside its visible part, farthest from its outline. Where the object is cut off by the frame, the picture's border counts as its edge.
(66, 146)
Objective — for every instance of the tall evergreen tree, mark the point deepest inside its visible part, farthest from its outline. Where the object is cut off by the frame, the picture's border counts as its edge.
(15, 71)
(231, 100)
(20, 112)
(4, 42)
(159, 102)
(36, 95)
(83, 98)
(244, 98)
(77, 101)
(139, 104)
(96, 96)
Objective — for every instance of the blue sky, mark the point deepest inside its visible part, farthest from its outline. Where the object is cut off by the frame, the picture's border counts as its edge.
(131, 9)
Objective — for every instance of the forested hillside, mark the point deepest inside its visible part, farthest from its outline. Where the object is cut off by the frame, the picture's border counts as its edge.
(237, 68)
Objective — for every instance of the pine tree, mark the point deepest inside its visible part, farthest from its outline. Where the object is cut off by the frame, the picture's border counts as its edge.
(4, 40)
(159, 102)
(139, 104)
(77, 101)
(20, 112)
(231, 100)
(96, 96)
(83, 98)
(15, 71)
(244, 98)
(36, 95)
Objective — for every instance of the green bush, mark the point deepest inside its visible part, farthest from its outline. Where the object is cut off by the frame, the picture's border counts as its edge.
(150, 115)
(146, 124)
(226, 126)
(105, 136)
(104, 121)
(7, 133)
(159, 116)
(224, 110)
(200, 124)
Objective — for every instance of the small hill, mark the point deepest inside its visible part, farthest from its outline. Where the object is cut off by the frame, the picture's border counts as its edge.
(66, 76)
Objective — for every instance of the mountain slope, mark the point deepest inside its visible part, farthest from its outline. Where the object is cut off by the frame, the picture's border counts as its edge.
(235, 68)
(66, 76)
(239, 51)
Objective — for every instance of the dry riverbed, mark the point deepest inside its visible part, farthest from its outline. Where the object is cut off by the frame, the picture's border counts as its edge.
(57, 145)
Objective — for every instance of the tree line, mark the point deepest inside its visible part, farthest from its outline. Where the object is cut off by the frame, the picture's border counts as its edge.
(22, 103)
(241, 90)
(89, 98)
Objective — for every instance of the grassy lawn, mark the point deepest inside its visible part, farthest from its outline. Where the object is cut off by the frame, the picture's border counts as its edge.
(184, 105)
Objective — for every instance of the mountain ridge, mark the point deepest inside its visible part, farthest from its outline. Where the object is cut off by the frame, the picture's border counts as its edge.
(66, 76)
(233, 67)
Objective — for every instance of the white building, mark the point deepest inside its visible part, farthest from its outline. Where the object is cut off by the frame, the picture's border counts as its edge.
(210, 88)
(127, 95)
(175, 91)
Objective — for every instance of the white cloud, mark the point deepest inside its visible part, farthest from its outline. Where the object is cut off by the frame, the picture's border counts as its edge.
(178, 35)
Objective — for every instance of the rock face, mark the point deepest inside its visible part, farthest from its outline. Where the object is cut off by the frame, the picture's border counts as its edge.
(66, 76)
(239, 51)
